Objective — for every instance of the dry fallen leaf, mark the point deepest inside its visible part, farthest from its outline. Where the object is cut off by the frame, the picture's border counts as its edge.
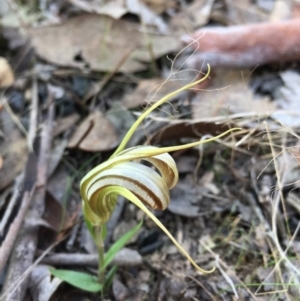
(159, 6)
(147, 16)
(282, 10)
(94, 134)
(56, 216)
(296, 10)
(100, 43)
(244, 12)
(6, 74)
(184, 208)
(14, 159)
(229, 93)
(118, 8)
(13, 149)
(194, 16)
(185, 129)
(288, 113)
(65, 123)
(42, 283)
(149, 91)
(114, 8)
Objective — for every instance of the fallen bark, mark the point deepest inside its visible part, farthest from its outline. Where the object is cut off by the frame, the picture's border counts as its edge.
(23, 253)
(246, 45)
(24, 189)
(20, 203)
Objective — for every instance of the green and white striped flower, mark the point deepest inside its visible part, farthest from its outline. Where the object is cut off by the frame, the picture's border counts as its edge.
(124, 175)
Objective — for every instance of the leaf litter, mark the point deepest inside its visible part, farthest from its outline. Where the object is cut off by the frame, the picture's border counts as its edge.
(99, 42)
(237, 202)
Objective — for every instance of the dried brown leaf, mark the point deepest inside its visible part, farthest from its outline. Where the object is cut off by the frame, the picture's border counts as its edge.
(14, 159)
(159, 6)
(100, 43)
(65, 123)
(150, 91)
(194, 16)
(55, 214)
(229, 93)
(94, 134)
(243, 12)
(282, 10)
(184, 129)
(118, 8)
(288, 113)
(6, 74)
(183, 198)
(114, 9)
(42, 284)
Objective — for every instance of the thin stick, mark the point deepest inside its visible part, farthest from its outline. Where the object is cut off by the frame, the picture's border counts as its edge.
(33, 115)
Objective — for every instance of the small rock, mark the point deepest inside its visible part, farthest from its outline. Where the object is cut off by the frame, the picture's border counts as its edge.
(171, 288)
(43, 93)
(122, 228)
(57, 92)
(66, 106)
(16, 100)
(149, 241)
(190, 294)
(144, 287)
(120, 291)
(128, 257)
(81, 85)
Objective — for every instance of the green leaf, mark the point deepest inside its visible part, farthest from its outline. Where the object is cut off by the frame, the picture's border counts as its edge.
(80, 280)
(119, 244)
(110, 276)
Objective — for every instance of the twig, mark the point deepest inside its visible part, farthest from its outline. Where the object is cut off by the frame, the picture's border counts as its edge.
(125, 257)
(33, 115)
(226, 277)
(71, 259)
(246, 45)
(203, 287)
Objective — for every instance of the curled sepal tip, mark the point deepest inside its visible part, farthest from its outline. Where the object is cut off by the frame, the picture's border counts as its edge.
(164, 99)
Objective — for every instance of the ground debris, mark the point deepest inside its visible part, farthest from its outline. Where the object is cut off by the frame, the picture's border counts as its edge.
(99, 42)
(98, 65)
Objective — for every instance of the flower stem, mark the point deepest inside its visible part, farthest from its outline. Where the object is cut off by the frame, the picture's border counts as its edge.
(100, 247)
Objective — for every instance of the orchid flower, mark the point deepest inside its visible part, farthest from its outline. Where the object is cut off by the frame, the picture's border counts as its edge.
(123, 174)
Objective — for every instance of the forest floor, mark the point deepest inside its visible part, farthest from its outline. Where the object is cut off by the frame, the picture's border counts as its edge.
(76, 74)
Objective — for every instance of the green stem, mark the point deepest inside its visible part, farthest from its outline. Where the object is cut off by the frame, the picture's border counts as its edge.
(100, 247)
